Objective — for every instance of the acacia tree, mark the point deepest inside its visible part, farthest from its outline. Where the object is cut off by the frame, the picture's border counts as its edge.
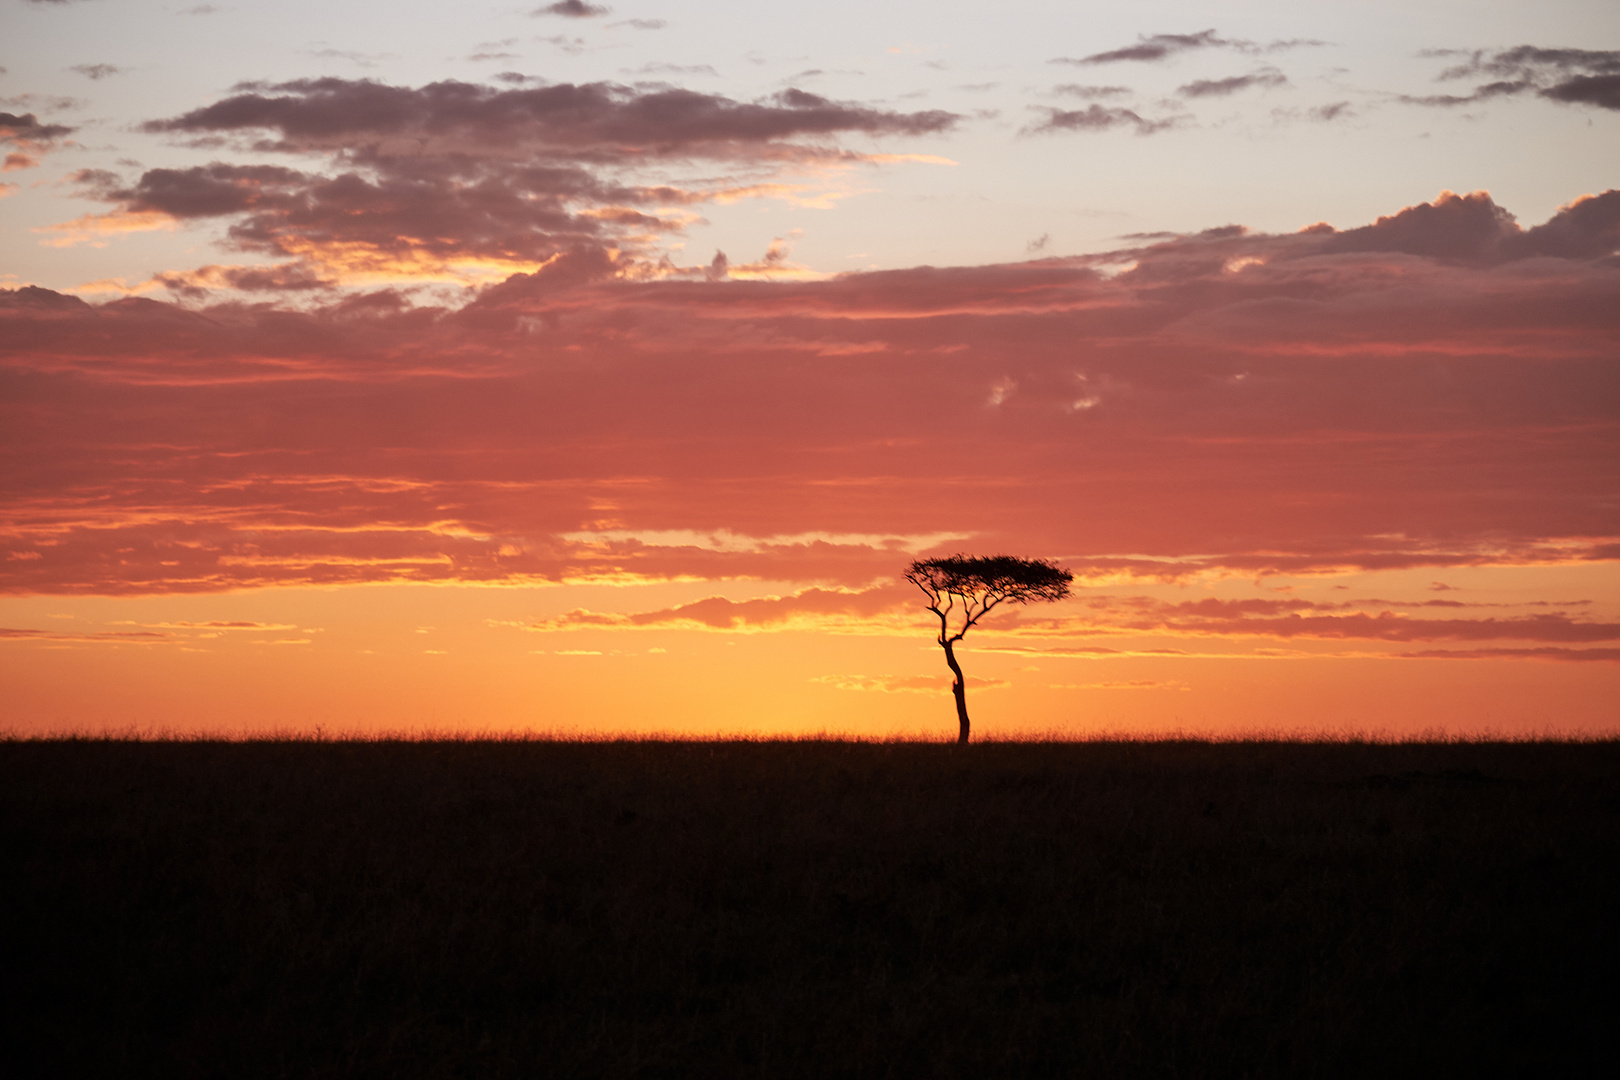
(969, 587)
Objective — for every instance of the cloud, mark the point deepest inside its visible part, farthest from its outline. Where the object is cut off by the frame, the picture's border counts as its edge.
(1064, 652)
(470, 182)
(820, 609)
(905, 684)
(571, 9)
(282, 278)
(1090, 92)
(1429, 391)
(1522, 60)
(599, 122)
(1285, 44)
(1320, 114)
(1153, 48)
(97, 71)
(1267, 618)
(573, 46)
(218, 624)
(1330, 111)
(1554, 654)
(1473, 228)
(1125, 684)
(387, 224)
(675, 69)
(1571, 76)
(1156, 47)
(1266, 77)
(1099, 118)
(1600, 90)
(29, 136)
(359, 59)
(1483, 93)
(110, 637)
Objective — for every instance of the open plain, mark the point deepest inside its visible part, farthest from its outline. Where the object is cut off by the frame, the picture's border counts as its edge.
(486, 908)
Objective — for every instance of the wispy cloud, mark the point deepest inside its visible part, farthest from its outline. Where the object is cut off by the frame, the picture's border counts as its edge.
(97, 71)
(572, 9)
(905, 684)
(1101, 118)
(1571, 76)
(1153, 48)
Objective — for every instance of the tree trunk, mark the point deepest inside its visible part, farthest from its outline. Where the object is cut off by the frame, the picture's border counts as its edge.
(959, 688)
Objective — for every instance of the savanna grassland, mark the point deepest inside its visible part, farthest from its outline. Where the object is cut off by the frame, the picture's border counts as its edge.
(809, 909)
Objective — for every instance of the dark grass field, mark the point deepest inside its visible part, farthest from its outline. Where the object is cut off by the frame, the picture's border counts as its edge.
(814, 909)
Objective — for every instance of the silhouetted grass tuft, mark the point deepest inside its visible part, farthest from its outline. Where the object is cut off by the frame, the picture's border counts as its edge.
(296, 907)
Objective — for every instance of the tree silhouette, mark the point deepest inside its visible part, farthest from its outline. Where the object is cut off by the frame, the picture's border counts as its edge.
(970, 586)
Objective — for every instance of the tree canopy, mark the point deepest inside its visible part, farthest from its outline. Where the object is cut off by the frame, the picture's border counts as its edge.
(989, 579)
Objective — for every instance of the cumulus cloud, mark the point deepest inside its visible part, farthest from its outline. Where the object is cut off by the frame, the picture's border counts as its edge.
(1473, 227)
(386, 222)
(455, 177)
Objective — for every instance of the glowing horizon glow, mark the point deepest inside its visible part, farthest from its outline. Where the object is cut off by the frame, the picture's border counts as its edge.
(442, 374)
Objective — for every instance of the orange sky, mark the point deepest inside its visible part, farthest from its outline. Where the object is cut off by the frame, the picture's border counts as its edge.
(1305, 482)
(1334, 479)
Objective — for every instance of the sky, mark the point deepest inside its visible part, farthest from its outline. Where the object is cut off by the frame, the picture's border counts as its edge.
(598, 369)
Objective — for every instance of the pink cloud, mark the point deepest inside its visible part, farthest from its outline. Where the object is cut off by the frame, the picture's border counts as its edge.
(1392, 397)
(820, 608)
(108, 637)
(30, 137)
(1550, 653)
(1292, 618)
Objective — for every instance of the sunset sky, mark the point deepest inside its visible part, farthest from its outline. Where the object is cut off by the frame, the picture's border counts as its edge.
(597, 369)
